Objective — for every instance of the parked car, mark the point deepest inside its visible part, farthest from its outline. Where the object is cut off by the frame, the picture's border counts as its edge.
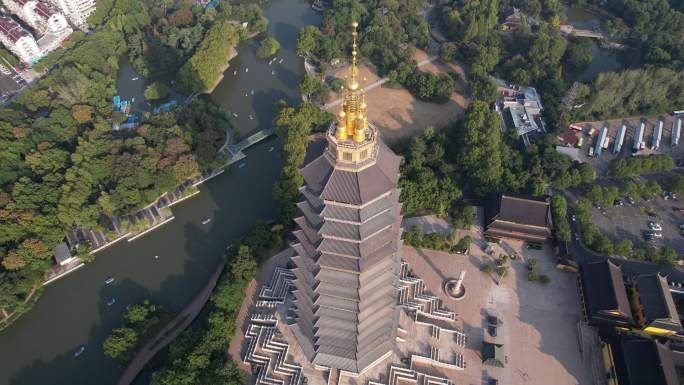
(618, 202)
(630, 200)
(655, 226)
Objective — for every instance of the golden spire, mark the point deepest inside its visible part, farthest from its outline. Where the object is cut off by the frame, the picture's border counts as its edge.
(353, 85)
(352, 121)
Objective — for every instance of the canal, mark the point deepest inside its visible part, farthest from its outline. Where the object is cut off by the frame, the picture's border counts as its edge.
(38, 348)
(251, 86)
(603, 59)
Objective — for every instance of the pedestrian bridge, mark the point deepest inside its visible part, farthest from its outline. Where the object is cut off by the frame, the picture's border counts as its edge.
(235, 151)
(606, 41)
(570, 30)
(251, 140)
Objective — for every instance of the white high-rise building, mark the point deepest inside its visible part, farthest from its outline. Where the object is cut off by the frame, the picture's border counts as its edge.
(18, 40)
(42, 17)
(76, 10)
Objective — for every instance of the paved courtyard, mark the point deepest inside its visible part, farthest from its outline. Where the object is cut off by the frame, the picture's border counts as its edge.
(539, 322)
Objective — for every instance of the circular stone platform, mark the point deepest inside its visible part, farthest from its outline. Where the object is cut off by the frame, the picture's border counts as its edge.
(450, 289)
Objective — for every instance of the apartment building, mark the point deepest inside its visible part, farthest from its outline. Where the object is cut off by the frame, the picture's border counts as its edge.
(18, 40)
(42, 17)
(77, 11)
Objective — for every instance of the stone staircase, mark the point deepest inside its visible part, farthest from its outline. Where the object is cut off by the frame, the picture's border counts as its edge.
(400, 375)
(268, 354)
(274, 293)
(414, 296)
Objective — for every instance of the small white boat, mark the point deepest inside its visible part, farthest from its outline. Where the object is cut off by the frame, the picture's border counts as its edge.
(111, 301)
(270, 149)
(79, 351)
(246, 69)
(206, 221)
(280, 61)
(251, 92)
(135, 78)
(273, 72)
(246, 94)
(156, 257)
(235, 115)
(109, 280)
(241, 165)
(235, 72)
(251, 117)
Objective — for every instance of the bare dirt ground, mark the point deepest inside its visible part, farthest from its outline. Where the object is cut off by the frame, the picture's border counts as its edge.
(397, 113)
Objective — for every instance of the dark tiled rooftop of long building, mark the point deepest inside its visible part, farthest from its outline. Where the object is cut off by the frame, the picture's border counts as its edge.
(656, 300)
(604, 288)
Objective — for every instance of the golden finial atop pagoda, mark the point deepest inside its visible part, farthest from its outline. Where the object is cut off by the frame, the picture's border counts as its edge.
(352, 121)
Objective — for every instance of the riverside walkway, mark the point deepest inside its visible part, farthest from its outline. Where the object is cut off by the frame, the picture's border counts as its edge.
(171, 330)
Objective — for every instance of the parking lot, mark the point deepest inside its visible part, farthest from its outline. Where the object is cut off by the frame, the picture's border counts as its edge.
(10, 82)
(631, 222)
(590, 132)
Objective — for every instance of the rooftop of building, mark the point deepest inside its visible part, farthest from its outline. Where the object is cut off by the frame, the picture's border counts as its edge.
(326, 179)
(11, 29)
(640, 361)
(523, 106)
(520, 210)
(656, 301)
(45, 11)
(604, 288)
(62, 253)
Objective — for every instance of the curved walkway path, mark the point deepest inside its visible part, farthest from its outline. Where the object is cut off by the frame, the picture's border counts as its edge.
(171, 330)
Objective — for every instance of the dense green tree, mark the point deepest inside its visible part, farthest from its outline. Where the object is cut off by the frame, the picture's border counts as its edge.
(294, 126)
(623, 248)
(675, 183)
(469, 20)
(637, 165)
(479, 148)
(577, 56)
(559, 209)
(633, 92)
(308, 40)
(120, 343)
(204, 68)
(156, 91)
(267, 48)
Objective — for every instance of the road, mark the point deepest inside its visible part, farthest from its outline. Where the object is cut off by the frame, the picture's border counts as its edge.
(376, 84)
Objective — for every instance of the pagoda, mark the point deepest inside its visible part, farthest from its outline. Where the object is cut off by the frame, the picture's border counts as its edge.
(346, 260)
